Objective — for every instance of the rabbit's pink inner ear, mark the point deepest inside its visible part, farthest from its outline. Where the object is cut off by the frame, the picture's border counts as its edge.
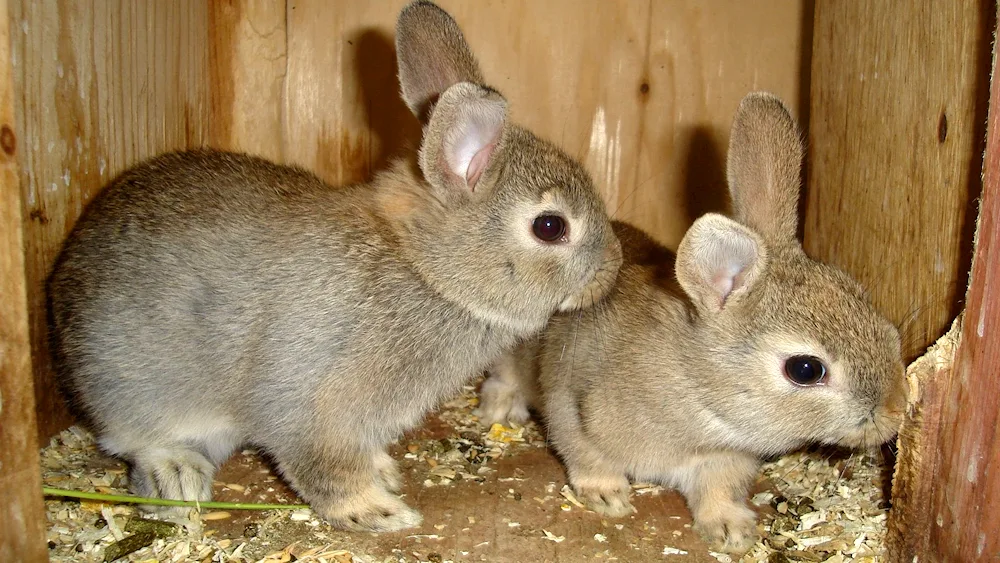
(470, 147)
(717, 260)
(478, 164)
(728, 279)
(722, 283)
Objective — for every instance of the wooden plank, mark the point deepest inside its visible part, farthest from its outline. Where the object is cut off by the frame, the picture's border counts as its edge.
(947, 489)
(642, 91)
(704, 57)
(22, 514)
(897, 107)
(247, 42)
(909, 521)
(100, 85)
(344, 117)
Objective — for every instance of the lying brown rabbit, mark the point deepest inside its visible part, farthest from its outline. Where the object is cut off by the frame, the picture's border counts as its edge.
(753, 349)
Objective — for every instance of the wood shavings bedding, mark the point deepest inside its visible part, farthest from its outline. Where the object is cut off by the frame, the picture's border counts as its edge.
(813, 507)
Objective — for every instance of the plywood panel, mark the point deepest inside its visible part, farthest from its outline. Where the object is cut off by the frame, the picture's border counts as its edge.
(641, 91)
(946, 494)
(343, 117)
(247, 46)
(703, 58)
(100, 84)
(895, 147)
(22, 515)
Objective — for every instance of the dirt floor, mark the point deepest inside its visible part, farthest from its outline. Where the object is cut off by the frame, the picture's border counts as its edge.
(486, 495)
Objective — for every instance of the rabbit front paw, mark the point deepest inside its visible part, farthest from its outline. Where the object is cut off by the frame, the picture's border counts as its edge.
(729, 529)
(604, 494)
(170, 472)
(374, 510)
(501, 402)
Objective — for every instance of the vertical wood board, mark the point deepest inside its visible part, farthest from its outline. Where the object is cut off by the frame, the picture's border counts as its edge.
(100, 85)
(895, 148)
(947, 486)
(642, 92)
(247, 45)
(22, 514)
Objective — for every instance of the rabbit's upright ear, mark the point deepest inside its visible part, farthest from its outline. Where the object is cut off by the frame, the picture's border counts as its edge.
(463, 119)
(463, 142)
(432, 56)
(765, 158)
(719, 261)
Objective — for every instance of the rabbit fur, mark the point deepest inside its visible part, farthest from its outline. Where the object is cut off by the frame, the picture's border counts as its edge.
(677, 377)
(208, 299)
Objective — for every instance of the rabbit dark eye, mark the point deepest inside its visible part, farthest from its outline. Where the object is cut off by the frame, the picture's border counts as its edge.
(805, 370)
(549, 228)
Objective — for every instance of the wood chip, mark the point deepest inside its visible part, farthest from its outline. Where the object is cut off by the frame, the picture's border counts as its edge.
(812, 509)
(552, 537)
(301, 515)
(109, 519)
(567, 493)
(216, 515)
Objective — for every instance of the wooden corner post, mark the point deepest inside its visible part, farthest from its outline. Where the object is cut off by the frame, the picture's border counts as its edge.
(22, 512)
(946, 492)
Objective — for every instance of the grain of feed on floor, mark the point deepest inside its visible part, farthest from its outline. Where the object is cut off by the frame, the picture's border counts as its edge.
(487, 494)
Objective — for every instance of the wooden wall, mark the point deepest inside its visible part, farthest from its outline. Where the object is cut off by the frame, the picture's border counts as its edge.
(898, 109)
(946, 490)
(22, 522)
(100, 85)
(642, 91)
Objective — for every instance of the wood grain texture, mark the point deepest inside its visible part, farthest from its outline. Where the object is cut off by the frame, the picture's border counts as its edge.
(895, 147)
(642, 92)
(947, 487)
(247, 57)
(100, 85)
(916, 464)
(22, 514)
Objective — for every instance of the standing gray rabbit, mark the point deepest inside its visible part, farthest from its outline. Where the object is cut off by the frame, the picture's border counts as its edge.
(208, 299)
(687, 375)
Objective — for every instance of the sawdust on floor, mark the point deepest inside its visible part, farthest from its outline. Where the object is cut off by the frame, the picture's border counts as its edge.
(487, 494)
